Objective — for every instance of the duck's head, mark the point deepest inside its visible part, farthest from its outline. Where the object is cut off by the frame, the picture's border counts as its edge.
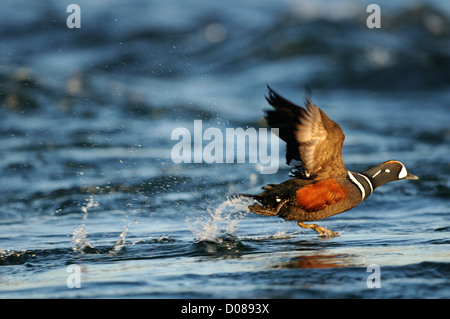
(387, 172)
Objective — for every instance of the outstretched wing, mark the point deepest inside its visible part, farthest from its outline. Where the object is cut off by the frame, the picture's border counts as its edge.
(310, 136)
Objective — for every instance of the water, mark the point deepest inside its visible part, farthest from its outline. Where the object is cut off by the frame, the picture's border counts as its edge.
(86, 170)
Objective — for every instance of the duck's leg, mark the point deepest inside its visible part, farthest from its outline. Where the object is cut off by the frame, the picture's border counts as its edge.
(323, 232)
(258, 209)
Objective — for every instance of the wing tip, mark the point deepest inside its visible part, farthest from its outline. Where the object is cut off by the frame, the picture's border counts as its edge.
(272, 97)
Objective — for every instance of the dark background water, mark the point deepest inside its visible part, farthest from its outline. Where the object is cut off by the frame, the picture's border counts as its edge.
(86, 171)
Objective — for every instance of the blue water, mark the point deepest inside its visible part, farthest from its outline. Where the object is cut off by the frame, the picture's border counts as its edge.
(88, 179)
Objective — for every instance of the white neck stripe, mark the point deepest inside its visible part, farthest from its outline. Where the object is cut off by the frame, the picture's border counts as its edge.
(368, 182)
(357, 183)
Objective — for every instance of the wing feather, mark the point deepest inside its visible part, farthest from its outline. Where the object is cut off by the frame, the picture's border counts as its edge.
(311, 137)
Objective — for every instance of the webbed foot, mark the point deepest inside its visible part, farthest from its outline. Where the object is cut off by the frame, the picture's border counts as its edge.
(323, 232)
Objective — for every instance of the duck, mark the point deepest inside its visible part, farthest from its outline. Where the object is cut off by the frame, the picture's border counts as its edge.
(320, 185)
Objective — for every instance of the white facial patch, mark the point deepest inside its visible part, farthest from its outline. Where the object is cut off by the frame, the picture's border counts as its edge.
(403, 172)
(387, 170)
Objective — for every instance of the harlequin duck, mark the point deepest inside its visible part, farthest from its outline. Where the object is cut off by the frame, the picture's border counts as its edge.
(322, 186)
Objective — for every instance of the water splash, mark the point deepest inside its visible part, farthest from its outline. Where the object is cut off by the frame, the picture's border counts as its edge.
(81, 245)
(221, 223)
(121, 242)
(79, 237)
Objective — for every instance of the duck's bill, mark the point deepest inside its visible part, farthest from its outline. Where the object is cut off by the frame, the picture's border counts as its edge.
(411, 176)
